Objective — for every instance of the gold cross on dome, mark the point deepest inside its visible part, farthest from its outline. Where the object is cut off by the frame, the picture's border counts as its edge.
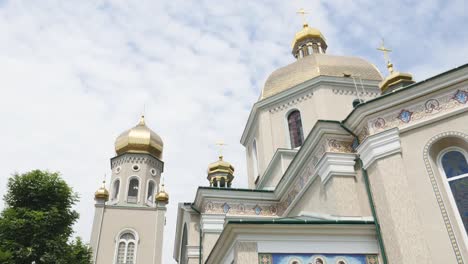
(386, 57)
(221, 145)
(302, 13)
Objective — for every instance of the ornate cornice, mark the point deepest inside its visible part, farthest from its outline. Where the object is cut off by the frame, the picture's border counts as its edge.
(379, 146)
(133, 158)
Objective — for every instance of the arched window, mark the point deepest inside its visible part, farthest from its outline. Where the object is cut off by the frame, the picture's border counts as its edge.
(255, 158)
(150, 194)
(115, 189)
(126, 249)
(133, 187)
(295, 129)
(453, 162)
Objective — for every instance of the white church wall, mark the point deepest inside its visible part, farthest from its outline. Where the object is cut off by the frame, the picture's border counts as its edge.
(143, 221)
(438, 228)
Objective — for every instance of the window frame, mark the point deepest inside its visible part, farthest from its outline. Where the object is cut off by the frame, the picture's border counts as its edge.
(448, 190)
(128, 186)
(117, 197)
(147, 189)
(119, 239)
(288, 113)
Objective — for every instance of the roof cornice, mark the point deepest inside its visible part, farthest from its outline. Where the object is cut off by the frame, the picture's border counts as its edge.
(405, 94)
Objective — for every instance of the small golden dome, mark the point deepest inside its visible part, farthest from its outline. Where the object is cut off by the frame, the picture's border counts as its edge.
(162, 195)
(220, 166)
(395, 80)
(102, 192)
(139, 139)
(307, 32)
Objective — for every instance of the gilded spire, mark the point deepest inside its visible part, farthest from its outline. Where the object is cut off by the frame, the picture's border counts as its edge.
(386, 57)
(162, 195)
(302, 13)
(102, 192)
(220, 172)
(142, 120)
(221, 145)
(395, 79)
(308, 40)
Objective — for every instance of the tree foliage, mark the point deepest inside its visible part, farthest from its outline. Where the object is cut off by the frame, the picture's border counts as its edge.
(36, 224)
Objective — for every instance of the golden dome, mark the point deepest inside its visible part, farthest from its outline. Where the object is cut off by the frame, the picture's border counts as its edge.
(220, 166)
(395, 80)
(162, 195)
(102, 192)
(139, 139)
(305, 33)
(316, 65)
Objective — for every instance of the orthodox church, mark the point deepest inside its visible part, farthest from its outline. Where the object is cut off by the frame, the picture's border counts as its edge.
(345, 166)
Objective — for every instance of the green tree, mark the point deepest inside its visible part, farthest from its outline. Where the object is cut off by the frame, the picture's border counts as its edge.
(36, 224)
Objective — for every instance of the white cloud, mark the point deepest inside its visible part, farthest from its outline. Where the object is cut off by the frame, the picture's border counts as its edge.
(77, 73)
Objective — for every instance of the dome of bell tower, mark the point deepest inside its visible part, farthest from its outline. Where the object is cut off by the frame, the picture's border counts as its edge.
(139, 139)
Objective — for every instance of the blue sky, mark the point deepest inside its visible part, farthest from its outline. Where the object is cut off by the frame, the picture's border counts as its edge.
(75, 74)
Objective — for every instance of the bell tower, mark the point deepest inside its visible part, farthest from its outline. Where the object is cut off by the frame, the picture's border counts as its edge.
(129, 219)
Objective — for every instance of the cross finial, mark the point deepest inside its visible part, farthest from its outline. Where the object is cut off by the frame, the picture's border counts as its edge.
(302, 13)
(386, 57)
(104, 181)
(221, 145)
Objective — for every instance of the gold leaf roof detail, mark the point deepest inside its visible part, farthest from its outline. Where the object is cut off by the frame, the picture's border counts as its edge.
(139, 139)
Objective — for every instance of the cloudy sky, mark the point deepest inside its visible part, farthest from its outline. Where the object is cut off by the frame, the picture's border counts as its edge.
(75, 74)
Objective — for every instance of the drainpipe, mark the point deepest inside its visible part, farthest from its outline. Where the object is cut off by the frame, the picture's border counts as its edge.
(374, 214)
(201, 235)
(371, 199)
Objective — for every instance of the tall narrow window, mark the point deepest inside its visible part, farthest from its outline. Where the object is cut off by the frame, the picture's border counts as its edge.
(295, 129)
(115, 189)
(455, 166)
(149, 195)
(126, 249)
(133, 191)
(255, 158)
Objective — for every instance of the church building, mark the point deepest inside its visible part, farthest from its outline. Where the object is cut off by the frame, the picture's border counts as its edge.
(345, 166)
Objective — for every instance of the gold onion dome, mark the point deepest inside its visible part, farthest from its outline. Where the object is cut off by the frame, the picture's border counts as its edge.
(305, 33)
(220, 166)
(102, 192)
(395, 80)
(162, 195)
(139, 139)
(316, 65)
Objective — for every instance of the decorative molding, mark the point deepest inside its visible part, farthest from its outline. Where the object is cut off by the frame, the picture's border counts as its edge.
(328, 144)
(193, 251)
(379, 146)
(436, 189)
(350, 91)
(213, 223)
(416, 112)
(237, 207)
(135, 158)
(291, 103)
(336, 164)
